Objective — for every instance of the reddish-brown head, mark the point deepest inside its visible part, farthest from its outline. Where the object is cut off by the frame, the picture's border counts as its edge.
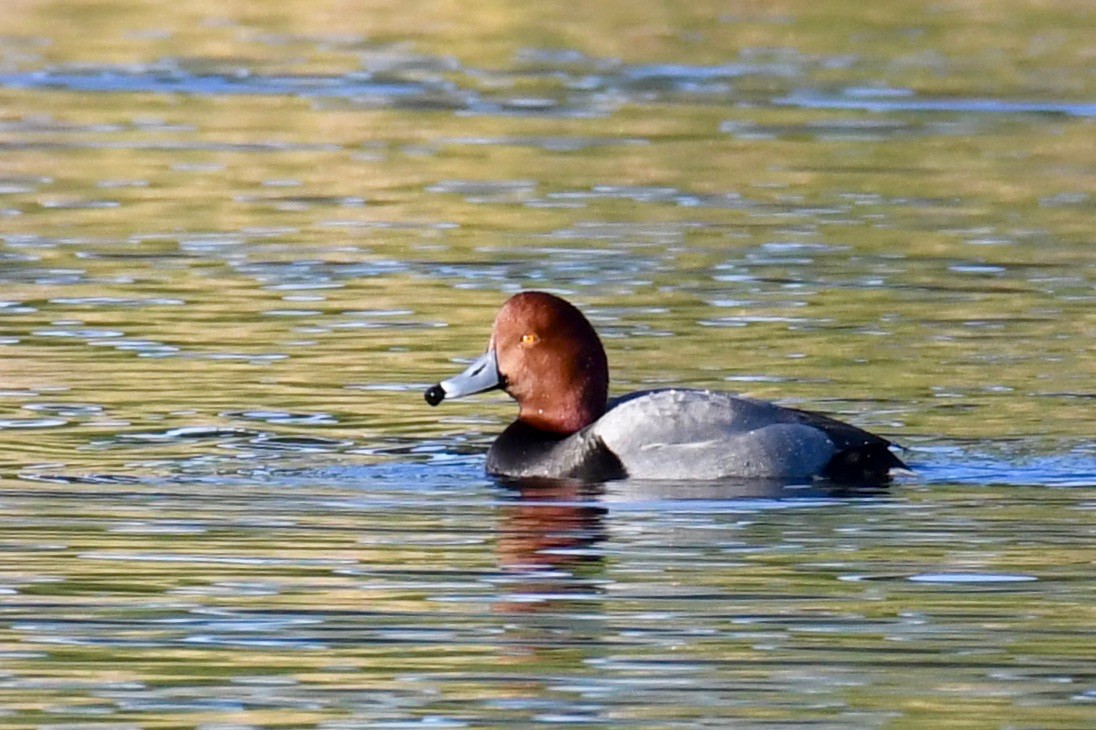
(546, 355)
(551, 362)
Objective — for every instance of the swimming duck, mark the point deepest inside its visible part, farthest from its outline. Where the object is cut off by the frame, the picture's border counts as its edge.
(546, 355)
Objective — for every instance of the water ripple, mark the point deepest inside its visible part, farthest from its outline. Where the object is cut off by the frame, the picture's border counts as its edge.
(850, 99)
(585, 89)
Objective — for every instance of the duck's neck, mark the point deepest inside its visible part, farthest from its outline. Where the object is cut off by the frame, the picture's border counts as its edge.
(563, 416)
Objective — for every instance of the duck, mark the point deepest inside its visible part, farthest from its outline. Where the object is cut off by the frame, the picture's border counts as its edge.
(546, 355)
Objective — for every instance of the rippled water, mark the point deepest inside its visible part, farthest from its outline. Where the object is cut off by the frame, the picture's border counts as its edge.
(237, 240)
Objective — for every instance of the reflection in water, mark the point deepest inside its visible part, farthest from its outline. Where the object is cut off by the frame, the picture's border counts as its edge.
(550, 524)
(551, 591)
(556, 591)
(550, 531)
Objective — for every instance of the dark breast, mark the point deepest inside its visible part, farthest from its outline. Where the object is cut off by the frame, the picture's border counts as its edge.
(524, 451)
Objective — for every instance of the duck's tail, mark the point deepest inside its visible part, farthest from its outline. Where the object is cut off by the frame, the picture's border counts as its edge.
(869, 463)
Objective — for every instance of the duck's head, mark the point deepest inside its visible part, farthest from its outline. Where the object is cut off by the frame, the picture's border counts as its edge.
(547, 357)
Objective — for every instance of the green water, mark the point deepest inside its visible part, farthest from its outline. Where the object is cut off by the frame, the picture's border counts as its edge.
(238, 240)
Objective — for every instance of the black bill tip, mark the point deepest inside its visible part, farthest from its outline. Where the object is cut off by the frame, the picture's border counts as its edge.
(434, 394)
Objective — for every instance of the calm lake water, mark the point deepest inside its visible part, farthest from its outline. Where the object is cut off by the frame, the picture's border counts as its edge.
(239, 238)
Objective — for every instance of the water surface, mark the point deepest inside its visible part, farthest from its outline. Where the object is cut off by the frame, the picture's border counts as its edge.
(237, 241)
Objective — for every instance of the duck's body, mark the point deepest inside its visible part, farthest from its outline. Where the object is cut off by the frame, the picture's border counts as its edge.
(556, 369)
(695, 434)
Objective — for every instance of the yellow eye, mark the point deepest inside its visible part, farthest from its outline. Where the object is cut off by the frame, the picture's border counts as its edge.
(529, 340)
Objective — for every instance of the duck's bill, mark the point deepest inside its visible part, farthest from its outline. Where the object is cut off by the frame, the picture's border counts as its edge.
(480, 376)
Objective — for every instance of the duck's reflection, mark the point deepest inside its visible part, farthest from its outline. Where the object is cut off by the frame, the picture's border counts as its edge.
(549, 533)
(552, 547)
(550, 530)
